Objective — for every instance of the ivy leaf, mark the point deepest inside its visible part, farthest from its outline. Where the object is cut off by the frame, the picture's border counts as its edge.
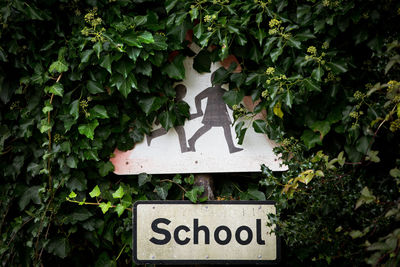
(256, 194)
(88, 129)
(176, 69)
(289, 98)
(74, 109)
(59, 247)
(32, 193)
(189, 179)
(125, 87)
(72, 162)
(240, 132)
(293, 43)
(57, 89)
(72, 195)
(85, 56)
(276, 53)
(233, 97)
(143, 179)
(365, 198)
(119, 193)
(105, 206)
(260, 126)
(105, 168)
(278, 110)
(94, 87)
(170, 4)
(98, 111)
(311, 85)
(124, 67)
(146, 38)
(58, 66)
(310, 139)
(162, 191)
(95, 192)
(193, 194)
(255, 54)
(202, 61)
(119, 209)
(317, 74)
(337, 67)
(323, 127)
(167, 119)
(150, 104)
(98, 47)
(106, 63)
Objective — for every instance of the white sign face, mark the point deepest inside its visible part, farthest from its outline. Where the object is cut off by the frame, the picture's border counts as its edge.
(214, 232)
(205, 144)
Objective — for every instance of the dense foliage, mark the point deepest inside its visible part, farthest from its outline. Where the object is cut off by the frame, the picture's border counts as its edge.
(80, 78)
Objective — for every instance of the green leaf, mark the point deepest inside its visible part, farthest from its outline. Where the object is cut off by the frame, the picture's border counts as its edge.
(95, 192)
(167, 119)
(256, 194)
(362, 144)
(169, 5)
(233, 97)
(310, 139)
(44, 126)
(317, 74)
(72, 162)
(72, 195)
(176, 69)
(373, 156)
(198, 30)
(193, 194)
(260, 126)
(395, 172)
(143, 179)
(146, 38)
(32, 193)
(105, 168)
(240, 132)
(202, 61)
(85, 56)
(57, 89)
(323, 127)
(98, 47)
(356, 234)
(311, 85)
(289, 98)
(293, 43)
(162, 191)
(133, 53)
(149, 104)
(106, 63)
(119, 209)
(119, 193)
(74, 109)
(105, 206)
(276, 53)
(59, 247)
(337, 67)
(127, 84)
(125, 67)
(58, 66)
(255, 54)
(189, 180)
(88, 129)
(94, 87)
(131, 39)
(98, 111)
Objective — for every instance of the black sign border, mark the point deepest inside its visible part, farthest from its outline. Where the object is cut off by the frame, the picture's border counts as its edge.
(182, 262)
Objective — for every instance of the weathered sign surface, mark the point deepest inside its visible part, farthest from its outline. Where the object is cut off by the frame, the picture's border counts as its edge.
(178, 232)
(205, 144)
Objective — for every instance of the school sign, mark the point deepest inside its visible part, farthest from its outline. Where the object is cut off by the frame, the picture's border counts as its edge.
(177, 232)
(206, 143)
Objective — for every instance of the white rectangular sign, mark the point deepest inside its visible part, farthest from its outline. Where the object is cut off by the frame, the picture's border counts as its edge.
(180, 232)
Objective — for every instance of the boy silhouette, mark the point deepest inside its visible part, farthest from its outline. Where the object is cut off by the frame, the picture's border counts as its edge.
(180, 94)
